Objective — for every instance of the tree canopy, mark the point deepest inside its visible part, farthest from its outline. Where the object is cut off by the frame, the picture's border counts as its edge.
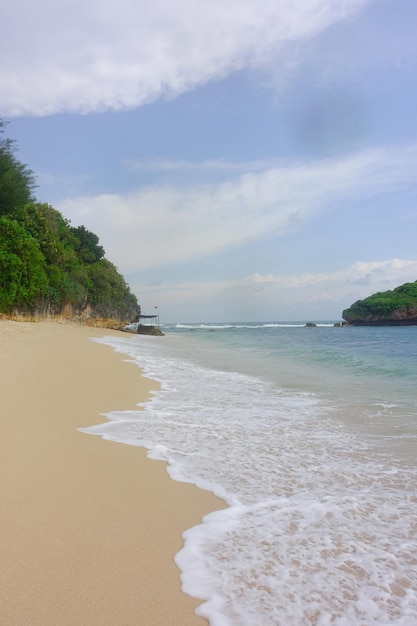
(47, 265)
(17, 181)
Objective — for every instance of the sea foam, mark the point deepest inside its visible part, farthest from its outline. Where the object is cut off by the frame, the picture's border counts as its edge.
(321, 523)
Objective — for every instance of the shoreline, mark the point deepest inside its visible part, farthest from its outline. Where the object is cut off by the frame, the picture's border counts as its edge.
(89, 527)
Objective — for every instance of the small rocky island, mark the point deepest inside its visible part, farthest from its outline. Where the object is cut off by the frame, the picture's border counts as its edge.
(389, 308)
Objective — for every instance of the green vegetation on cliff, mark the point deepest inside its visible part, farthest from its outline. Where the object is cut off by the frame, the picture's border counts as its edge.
(48, 266)
(398, 306)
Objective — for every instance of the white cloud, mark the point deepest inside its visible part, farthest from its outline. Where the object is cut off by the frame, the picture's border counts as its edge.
(91, 56)
(359, 273)
(257, 297)
(158, 226)
(331, 291)
(217, 166)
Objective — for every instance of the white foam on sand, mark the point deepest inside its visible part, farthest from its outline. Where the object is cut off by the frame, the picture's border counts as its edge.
(321, 527)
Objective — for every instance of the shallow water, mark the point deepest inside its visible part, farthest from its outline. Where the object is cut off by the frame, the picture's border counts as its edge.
(310, 436)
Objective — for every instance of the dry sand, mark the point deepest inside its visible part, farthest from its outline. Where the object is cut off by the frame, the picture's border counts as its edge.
(88, 528)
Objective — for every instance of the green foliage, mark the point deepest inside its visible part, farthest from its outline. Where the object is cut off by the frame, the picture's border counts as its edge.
(87, 245)
(23, 276)
(16, 179)
(383, 304)
(45, 263)
(109, 292)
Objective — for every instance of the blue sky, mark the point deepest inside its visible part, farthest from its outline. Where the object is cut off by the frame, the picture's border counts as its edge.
(239, 160)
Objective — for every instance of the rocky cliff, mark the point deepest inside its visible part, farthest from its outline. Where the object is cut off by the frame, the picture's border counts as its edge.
(115, 318)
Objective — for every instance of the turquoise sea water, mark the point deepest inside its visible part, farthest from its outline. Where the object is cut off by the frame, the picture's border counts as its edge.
(310, 436)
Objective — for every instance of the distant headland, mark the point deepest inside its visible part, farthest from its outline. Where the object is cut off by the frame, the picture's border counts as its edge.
(389, 308)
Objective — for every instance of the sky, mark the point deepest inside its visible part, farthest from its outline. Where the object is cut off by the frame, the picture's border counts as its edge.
(240, 160)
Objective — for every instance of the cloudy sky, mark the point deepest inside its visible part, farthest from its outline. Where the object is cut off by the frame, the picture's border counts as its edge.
(238, 159)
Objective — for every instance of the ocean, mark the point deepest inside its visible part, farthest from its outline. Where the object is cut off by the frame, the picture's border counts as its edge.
(310, 437)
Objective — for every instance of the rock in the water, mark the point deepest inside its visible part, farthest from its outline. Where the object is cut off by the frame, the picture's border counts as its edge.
(149, 330)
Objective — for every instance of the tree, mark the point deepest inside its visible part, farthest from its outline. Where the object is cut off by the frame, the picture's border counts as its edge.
(16, 179)
(109, 293)
(23, 276)
(46, 265)
(52, 232)
(87, 245)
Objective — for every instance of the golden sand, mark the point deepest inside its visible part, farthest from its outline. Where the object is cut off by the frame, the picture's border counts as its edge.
(88, 528)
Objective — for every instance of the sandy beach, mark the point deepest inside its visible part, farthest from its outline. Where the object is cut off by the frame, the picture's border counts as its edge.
(89, 528)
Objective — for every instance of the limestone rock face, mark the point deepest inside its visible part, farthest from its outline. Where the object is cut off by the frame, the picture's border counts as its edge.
(88, 316)
(406, 316)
